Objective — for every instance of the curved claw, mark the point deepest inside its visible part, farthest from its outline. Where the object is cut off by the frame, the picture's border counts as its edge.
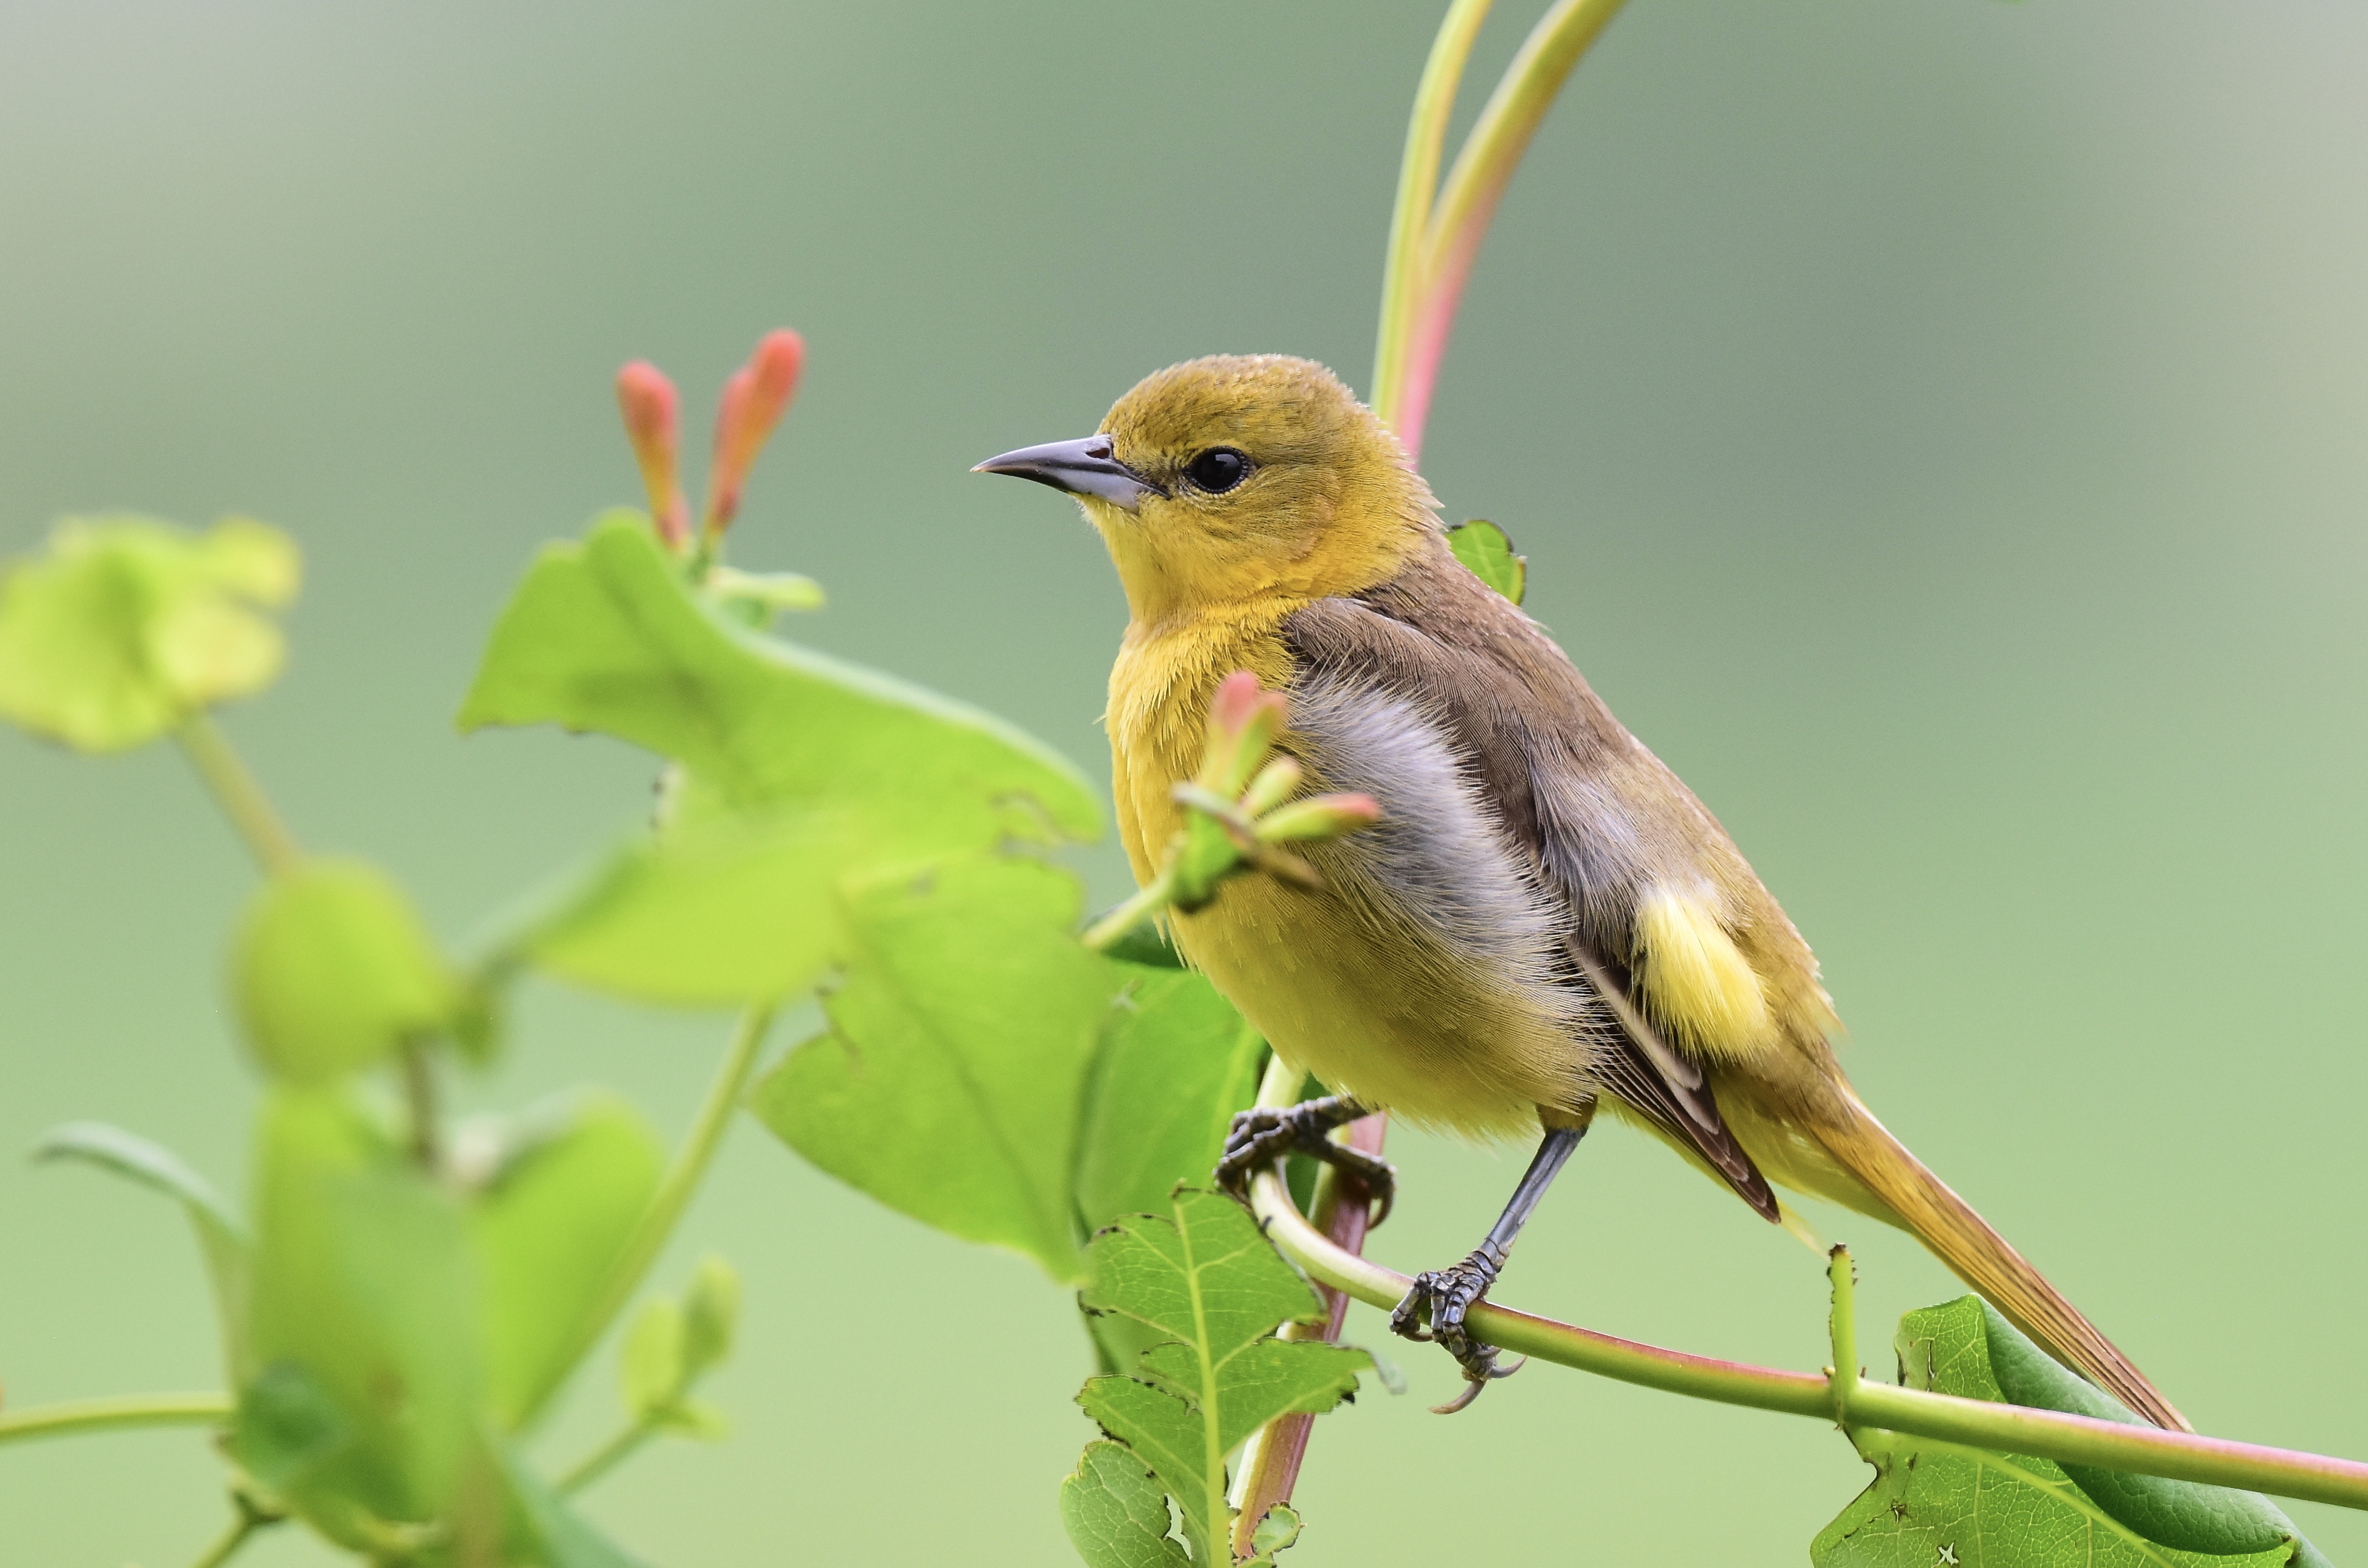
(1461, 1401)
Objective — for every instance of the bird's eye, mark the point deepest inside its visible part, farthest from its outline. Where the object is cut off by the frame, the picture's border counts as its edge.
(1217, 470)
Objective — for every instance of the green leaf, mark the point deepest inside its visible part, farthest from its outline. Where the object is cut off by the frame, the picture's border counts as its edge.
(1210, 1283)
(948, 1082)
(1938, 1503)
(2184, 1513)
(365, 1282)
(547, 1229)
(712, 915)
(125, 625)
(222, 1238)
(710, 1316)
(650, 1365)
(1278, 1529)
(333, 969)
(1176, 1063)
(1116, 1512)
(798, 773)
(1484, 548)
(606, 636)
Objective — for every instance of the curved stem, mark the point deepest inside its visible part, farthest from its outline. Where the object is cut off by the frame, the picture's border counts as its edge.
(2006, 1428)
(226, 1545)
(680, 1182)
(242, 798)
(1402, 280)
(108, 1414)
(604, 1458)
(1467, 202)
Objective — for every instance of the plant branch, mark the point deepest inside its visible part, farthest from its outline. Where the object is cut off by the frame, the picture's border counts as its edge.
(1467, 200)
(681, 1179)
(1271, 1460)
(108, 1414)
(225, 1547)
(1146, 905)
(605, 1458)
(1980, 1423)
(234, 789)
(1402, 275)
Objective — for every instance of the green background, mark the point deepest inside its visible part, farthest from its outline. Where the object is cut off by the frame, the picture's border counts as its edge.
(1937, 426)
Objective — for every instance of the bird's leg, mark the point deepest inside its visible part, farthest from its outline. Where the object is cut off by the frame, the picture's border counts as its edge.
(1446, 1294)
(1264, 1134)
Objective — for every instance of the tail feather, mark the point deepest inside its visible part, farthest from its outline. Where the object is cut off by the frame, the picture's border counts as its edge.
(1947, 1224)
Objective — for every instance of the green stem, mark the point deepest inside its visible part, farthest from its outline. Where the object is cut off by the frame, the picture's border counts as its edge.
(605, 1458)
(419, 1104)
(235, 788)
(1146, 905)
(2005, 1428)
(241, 1529)
(1467, 200)
(1402, 280)
(681, 1180)
(108, 1415)
(1843, 1374)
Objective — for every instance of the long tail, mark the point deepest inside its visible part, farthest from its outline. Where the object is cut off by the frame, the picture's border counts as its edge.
(1946, 1223)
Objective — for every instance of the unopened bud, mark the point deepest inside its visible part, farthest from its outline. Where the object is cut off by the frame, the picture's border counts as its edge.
(1320, 817)
(1243, 720)
(754, 401)
(1276, 782)
(647, 401)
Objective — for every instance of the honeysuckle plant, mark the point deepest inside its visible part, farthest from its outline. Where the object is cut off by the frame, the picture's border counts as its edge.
(400, 1293)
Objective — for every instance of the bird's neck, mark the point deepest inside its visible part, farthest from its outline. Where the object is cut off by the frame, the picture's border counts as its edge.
(1159, 691)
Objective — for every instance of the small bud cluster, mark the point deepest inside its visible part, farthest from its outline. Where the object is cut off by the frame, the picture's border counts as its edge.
(754, 400)
(1238, 811)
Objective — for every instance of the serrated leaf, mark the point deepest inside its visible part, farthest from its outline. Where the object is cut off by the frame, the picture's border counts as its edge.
(1206, 1277)
(1176, 1061)
(1484, 549)
(1116, 1512)
(125, 625)
(1938, 1503)
(332, 969)
(948, 1084)
(547, 1229)
(364, 1280)
(222, 1237)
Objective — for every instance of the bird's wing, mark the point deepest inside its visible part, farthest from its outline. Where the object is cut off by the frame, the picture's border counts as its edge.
(1509, 705)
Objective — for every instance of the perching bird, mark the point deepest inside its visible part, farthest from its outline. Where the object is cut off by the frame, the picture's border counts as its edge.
(1545, 915)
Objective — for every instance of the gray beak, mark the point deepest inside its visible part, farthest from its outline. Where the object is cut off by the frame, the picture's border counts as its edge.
(1081, 468)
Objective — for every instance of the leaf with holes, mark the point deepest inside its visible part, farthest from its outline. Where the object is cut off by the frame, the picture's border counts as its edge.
(1484, 548)
(1942, 1504)
(1207, 1282)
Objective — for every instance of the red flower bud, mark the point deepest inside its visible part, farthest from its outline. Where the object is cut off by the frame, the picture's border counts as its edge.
(1243, 718)
(647, 401)
(754, 401)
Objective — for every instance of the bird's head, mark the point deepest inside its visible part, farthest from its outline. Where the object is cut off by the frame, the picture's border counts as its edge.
(1237, 479)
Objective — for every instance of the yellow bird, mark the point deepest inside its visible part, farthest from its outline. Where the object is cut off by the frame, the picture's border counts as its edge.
(1545, 916)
